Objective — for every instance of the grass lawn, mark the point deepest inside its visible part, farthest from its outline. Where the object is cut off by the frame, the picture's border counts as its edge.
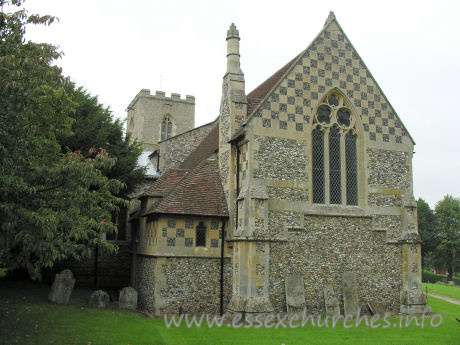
(27, 318)
(444, 290)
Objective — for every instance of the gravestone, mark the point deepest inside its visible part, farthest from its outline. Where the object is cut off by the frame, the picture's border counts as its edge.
(350, 294)
(295, 297)
(62, 287)
(376, 308)
(128, 298)
(99, 299)
(331, 302)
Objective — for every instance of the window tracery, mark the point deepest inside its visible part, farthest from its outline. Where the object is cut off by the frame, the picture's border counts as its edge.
(334, 152)
(166, 128)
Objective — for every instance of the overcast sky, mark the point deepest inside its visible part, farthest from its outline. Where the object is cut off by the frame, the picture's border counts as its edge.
(115, 48)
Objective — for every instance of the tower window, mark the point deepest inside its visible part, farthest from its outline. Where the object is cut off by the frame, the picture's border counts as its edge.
(166, 128)
(334, 153)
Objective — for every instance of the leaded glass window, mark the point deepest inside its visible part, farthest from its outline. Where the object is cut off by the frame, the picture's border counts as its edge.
(343, 117)
(334, 152)
(169, 129)
(324, 114)
(335, 174)
(318, 166)
(351, 169)
(200, 240)
(163, 130)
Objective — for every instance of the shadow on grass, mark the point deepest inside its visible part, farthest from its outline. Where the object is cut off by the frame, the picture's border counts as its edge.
(26, 317)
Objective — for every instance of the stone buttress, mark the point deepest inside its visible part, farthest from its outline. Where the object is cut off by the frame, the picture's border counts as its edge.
(247, 205)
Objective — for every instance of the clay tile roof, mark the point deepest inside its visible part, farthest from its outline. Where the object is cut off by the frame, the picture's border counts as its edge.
(256, 95)
(206, 148)
(252, 104)
(199, 192)
(165, 183)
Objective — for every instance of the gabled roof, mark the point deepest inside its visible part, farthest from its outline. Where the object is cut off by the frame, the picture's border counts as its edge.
(199, 192)
(165, 183)
(208, 146)
(190, 130)
(264, 90)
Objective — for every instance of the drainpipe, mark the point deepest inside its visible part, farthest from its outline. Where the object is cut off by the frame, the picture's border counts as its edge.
(158, 162)
(222, 269)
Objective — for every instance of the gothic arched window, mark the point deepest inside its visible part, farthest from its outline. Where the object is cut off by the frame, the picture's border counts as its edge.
(166, 128)
(200, 240)
(334, 153)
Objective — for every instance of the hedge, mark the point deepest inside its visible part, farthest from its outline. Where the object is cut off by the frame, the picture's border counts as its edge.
(430, 277)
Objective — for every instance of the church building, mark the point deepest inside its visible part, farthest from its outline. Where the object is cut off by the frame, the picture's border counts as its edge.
(303, 184)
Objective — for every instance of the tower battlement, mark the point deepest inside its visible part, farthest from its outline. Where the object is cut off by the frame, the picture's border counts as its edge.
(155, 117)
(162, 95)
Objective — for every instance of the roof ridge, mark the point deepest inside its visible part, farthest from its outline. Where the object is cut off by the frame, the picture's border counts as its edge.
(175, 186)
(165, 177)
(375, 80)
(183, 182)
(291, 66)
(330, 19)
(189, 175)
(197, 153)
(190, 130)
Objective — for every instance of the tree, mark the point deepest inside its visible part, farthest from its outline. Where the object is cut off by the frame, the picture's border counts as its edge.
(95, 127)
(53, 206)
(426, 227)
(447, 252)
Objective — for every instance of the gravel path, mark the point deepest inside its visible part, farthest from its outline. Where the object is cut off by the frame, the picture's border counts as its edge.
(444, 298)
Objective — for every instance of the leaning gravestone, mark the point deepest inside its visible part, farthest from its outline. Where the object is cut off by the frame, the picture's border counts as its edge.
(62, 287)
(331, 301)
(350, 294)
(295, 297)
(128, 298)
(376, 308)
(99, 299)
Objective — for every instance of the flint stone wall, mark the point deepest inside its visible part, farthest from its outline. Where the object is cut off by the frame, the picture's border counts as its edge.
(145, 282)
(190, 285)
(329, 246)
(174, 151)
(388, 168)
(281, 159)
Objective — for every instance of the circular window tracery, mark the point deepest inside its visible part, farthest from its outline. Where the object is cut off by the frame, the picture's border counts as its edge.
(324, 114)
(334, 152)
(333, 110)
(344, 117)
(333, 100)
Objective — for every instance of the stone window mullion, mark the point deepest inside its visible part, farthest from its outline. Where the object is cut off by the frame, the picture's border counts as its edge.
(334, 159)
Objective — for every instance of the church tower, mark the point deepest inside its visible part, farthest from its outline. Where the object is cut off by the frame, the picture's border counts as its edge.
(153, 118)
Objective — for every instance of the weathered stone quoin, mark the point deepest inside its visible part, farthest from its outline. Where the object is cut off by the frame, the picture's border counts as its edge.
(307, 178)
